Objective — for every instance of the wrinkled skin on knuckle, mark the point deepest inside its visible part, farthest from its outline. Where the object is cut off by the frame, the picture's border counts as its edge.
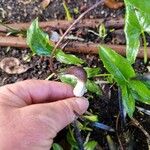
(75, 106)
(67, 111)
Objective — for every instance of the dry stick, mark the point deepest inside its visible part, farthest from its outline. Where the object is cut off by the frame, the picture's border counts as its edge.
(92, 48)
(74, 23)
(77, 47)
(137, 124)
(64, 24)
(13, 41)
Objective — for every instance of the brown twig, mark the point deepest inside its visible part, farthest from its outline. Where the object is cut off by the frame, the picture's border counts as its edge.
(138, 125)
(72, 25)
(64, 24)
(92, 48)
(12, 41)
(77, 47)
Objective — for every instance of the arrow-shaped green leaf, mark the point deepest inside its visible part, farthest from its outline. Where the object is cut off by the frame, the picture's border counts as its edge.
(117, 65)
(140, 91)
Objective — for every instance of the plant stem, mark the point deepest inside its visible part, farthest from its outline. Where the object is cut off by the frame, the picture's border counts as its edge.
(121, 107)
(145, 47)
(50, 76)
(103, 75)
(78, 135)
(72, 136)
(74, 23)
(137, 124)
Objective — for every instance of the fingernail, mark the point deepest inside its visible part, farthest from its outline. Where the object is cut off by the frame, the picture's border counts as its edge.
(83, 104)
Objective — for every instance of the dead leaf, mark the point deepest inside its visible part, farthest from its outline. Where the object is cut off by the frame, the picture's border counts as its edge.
(12, 65)
(45, 3)
(113, 4)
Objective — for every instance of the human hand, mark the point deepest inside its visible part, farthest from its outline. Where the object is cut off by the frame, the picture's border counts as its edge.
(32, 112)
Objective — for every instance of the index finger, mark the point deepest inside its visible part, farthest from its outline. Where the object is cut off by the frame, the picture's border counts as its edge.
(40, 91)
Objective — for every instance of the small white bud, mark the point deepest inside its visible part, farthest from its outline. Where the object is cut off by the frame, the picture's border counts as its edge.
(79, 89)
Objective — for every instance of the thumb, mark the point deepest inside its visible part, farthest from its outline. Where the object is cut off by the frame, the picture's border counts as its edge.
(57, 115)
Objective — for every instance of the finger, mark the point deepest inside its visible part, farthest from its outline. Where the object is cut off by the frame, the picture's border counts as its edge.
(57, 115)
(38, 91)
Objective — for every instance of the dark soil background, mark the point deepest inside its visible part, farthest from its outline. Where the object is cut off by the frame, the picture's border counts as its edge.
(105, 106)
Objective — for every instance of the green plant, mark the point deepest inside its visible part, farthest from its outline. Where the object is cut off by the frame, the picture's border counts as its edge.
(123, 73)
(40, 44)
(88, 144)
(56, 146)
(137, 22)
(132, 88)
(102, 31)
(68, 14)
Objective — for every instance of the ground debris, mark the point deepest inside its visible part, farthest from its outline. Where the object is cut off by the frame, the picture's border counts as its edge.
(113, 4)
(45, 3)
(13, 65)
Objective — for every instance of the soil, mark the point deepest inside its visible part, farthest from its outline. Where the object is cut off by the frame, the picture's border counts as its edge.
(106, 106)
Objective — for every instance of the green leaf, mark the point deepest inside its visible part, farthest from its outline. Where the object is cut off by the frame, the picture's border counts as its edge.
(39, 43)
(128, 100)
(68, 58)
(142, 11)
(92, 87)
(132, 33)
(37, 40)
(143, 5)
(83, 126)
(68, 15)
(144, 20)
(140, 91)
(137, 21)
(145, 78)
(147, 83)
(102, 31)
(93, 118)
(68, 79)
(117, 65)
(72, 141)
(92, 72)
(57, 147)
(91, 145)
